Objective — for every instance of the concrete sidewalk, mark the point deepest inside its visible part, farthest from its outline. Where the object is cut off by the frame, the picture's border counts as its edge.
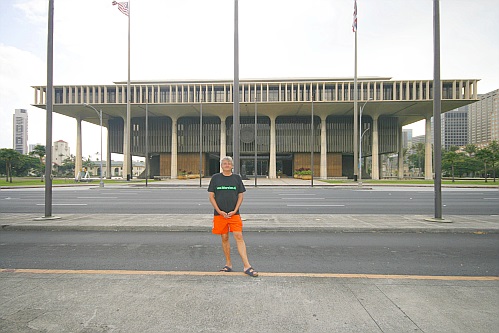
(254, 222)
(160, 302)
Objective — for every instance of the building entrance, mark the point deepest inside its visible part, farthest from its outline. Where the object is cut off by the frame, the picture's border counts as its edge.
(248, 166)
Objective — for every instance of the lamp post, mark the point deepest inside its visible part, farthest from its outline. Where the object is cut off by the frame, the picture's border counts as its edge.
(200, 141)
(147, 141)
(99, 113)
(361, 134)
(256, 138)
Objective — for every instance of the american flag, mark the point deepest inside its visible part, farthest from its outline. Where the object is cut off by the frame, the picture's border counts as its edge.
(122, 6)
(354, 24)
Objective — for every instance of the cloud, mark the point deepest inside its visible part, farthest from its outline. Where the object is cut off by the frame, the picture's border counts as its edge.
(18, 70)
(34, 10)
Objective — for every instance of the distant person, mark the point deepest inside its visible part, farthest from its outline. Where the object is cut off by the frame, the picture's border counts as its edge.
(226, 195)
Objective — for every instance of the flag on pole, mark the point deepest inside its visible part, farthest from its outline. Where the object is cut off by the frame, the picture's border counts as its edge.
(122, 6)
(354, 24)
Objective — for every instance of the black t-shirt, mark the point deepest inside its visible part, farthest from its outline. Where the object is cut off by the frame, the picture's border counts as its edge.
(226, 189)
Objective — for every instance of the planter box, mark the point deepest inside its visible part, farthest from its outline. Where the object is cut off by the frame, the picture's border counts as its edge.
(306, 177)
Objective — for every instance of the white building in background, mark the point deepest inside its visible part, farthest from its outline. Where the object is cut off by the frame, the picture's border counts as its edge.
(289, 111)
(20, 131)
(60, 152)
(454, 125)
(483, 119)
(407, 137)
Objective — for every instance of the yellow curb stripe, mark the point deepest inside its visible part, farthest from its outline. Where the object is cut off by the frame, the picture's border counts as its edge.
(266, 274)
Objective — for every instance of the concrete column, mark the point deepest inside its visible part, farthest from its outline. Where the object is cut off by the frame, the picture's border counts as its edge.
(375, 150)
(223, 137)
(272, 162)
(174, 165)
(428, 162)
(323, 148)
(126, 158)
(108, 153)
(78, 158)
(401, 153)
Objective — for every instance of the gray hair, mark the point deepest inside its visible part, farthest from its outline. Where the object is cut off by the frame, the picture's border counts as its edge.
(227, 158)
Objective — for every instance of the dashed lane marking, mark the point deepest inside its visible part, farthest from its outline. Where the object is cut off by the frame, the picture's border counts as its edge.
(316, 205)
(261, 274)
(68, 204)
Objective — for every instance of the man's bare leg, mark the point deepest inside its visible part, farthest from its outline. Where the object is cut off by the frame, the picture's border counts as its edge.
(241, 247)
(226, 249)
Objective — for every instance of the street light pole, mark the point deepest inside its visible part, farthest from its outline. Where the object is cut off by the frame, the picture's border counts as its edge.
(361, 134)
(256, 138)
(147, 141)
(99, 113)
(312, 140)
(200, 142)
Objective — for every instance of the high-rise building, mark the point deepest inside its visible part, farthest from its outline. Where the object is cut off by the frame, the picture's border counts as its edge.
(483, 119)
(407, 137)
(455, 127)
(60, 152)
(20, 131)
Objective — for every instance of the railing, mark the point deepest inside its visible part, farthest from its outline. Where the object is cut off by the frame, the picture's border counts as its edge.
(262, 92)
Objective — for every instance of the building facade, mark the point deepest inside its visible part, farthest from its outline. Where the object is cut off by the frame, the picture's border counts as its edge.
(60, 152)
(407, 137)
(454, 127)
(138, 168)
(286, 123)
(20, 131)
(483, 119)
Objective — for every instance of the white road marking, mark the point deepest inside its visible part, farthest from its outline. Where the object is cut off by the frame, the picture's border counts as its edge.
(97, 197)
(70, 204)
(296, 194)
(315, 205)
(303, 198)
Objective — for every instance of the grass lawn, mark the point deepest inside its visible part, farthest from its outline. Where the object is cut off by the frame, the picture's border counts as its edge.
(490, 182)
(31, 181)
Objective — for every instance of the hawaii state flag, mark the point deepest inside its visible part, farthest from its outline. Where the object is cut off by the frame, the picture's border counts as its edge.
(354, 24)
(122, 6)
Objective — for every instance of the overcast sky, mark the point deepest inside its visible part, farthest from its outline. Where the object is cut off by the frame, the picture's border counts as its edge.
(193, 39)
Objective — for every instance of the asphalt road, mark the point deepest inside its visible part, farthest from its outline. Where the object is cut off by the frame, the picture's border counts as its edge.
(84, 200)
(309, 252)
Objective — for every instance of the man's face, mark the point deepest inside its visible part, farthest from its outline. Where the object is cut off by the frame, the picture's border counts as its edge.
(226, 165)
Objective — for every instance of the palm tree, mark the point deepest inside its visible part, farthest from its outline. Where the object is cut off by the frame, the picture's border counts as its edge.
(452, 158)
(39, 151)
(9, 155)
(494, 147)
(485, 155)
(471, 149)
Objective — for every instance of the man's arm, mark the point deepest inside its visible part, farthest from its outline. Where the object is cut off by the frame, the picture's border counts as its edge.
(238, 204)
(215, 205)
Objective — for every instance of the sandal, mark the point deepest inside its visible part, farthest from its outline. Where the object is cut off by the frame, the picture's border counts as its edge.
(226, 269)
(251, 272)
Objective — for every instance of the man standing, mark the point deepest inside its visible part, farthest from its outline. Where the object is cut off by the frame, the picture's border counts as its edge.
(226, 195)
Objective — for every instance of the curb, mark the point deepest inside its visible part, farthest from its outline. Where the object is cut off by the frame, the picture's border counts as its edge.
(170, 228)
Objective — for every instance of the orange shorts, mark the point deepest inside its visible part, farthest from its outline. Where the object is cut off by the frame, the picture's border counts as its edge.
(221, 225)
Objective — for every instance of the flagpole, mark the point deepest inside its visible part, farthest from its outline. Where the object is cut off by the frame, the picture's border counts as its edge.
(437, 96)
(127, 156)
(355, 111)
(236, 111)
(48, 141)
